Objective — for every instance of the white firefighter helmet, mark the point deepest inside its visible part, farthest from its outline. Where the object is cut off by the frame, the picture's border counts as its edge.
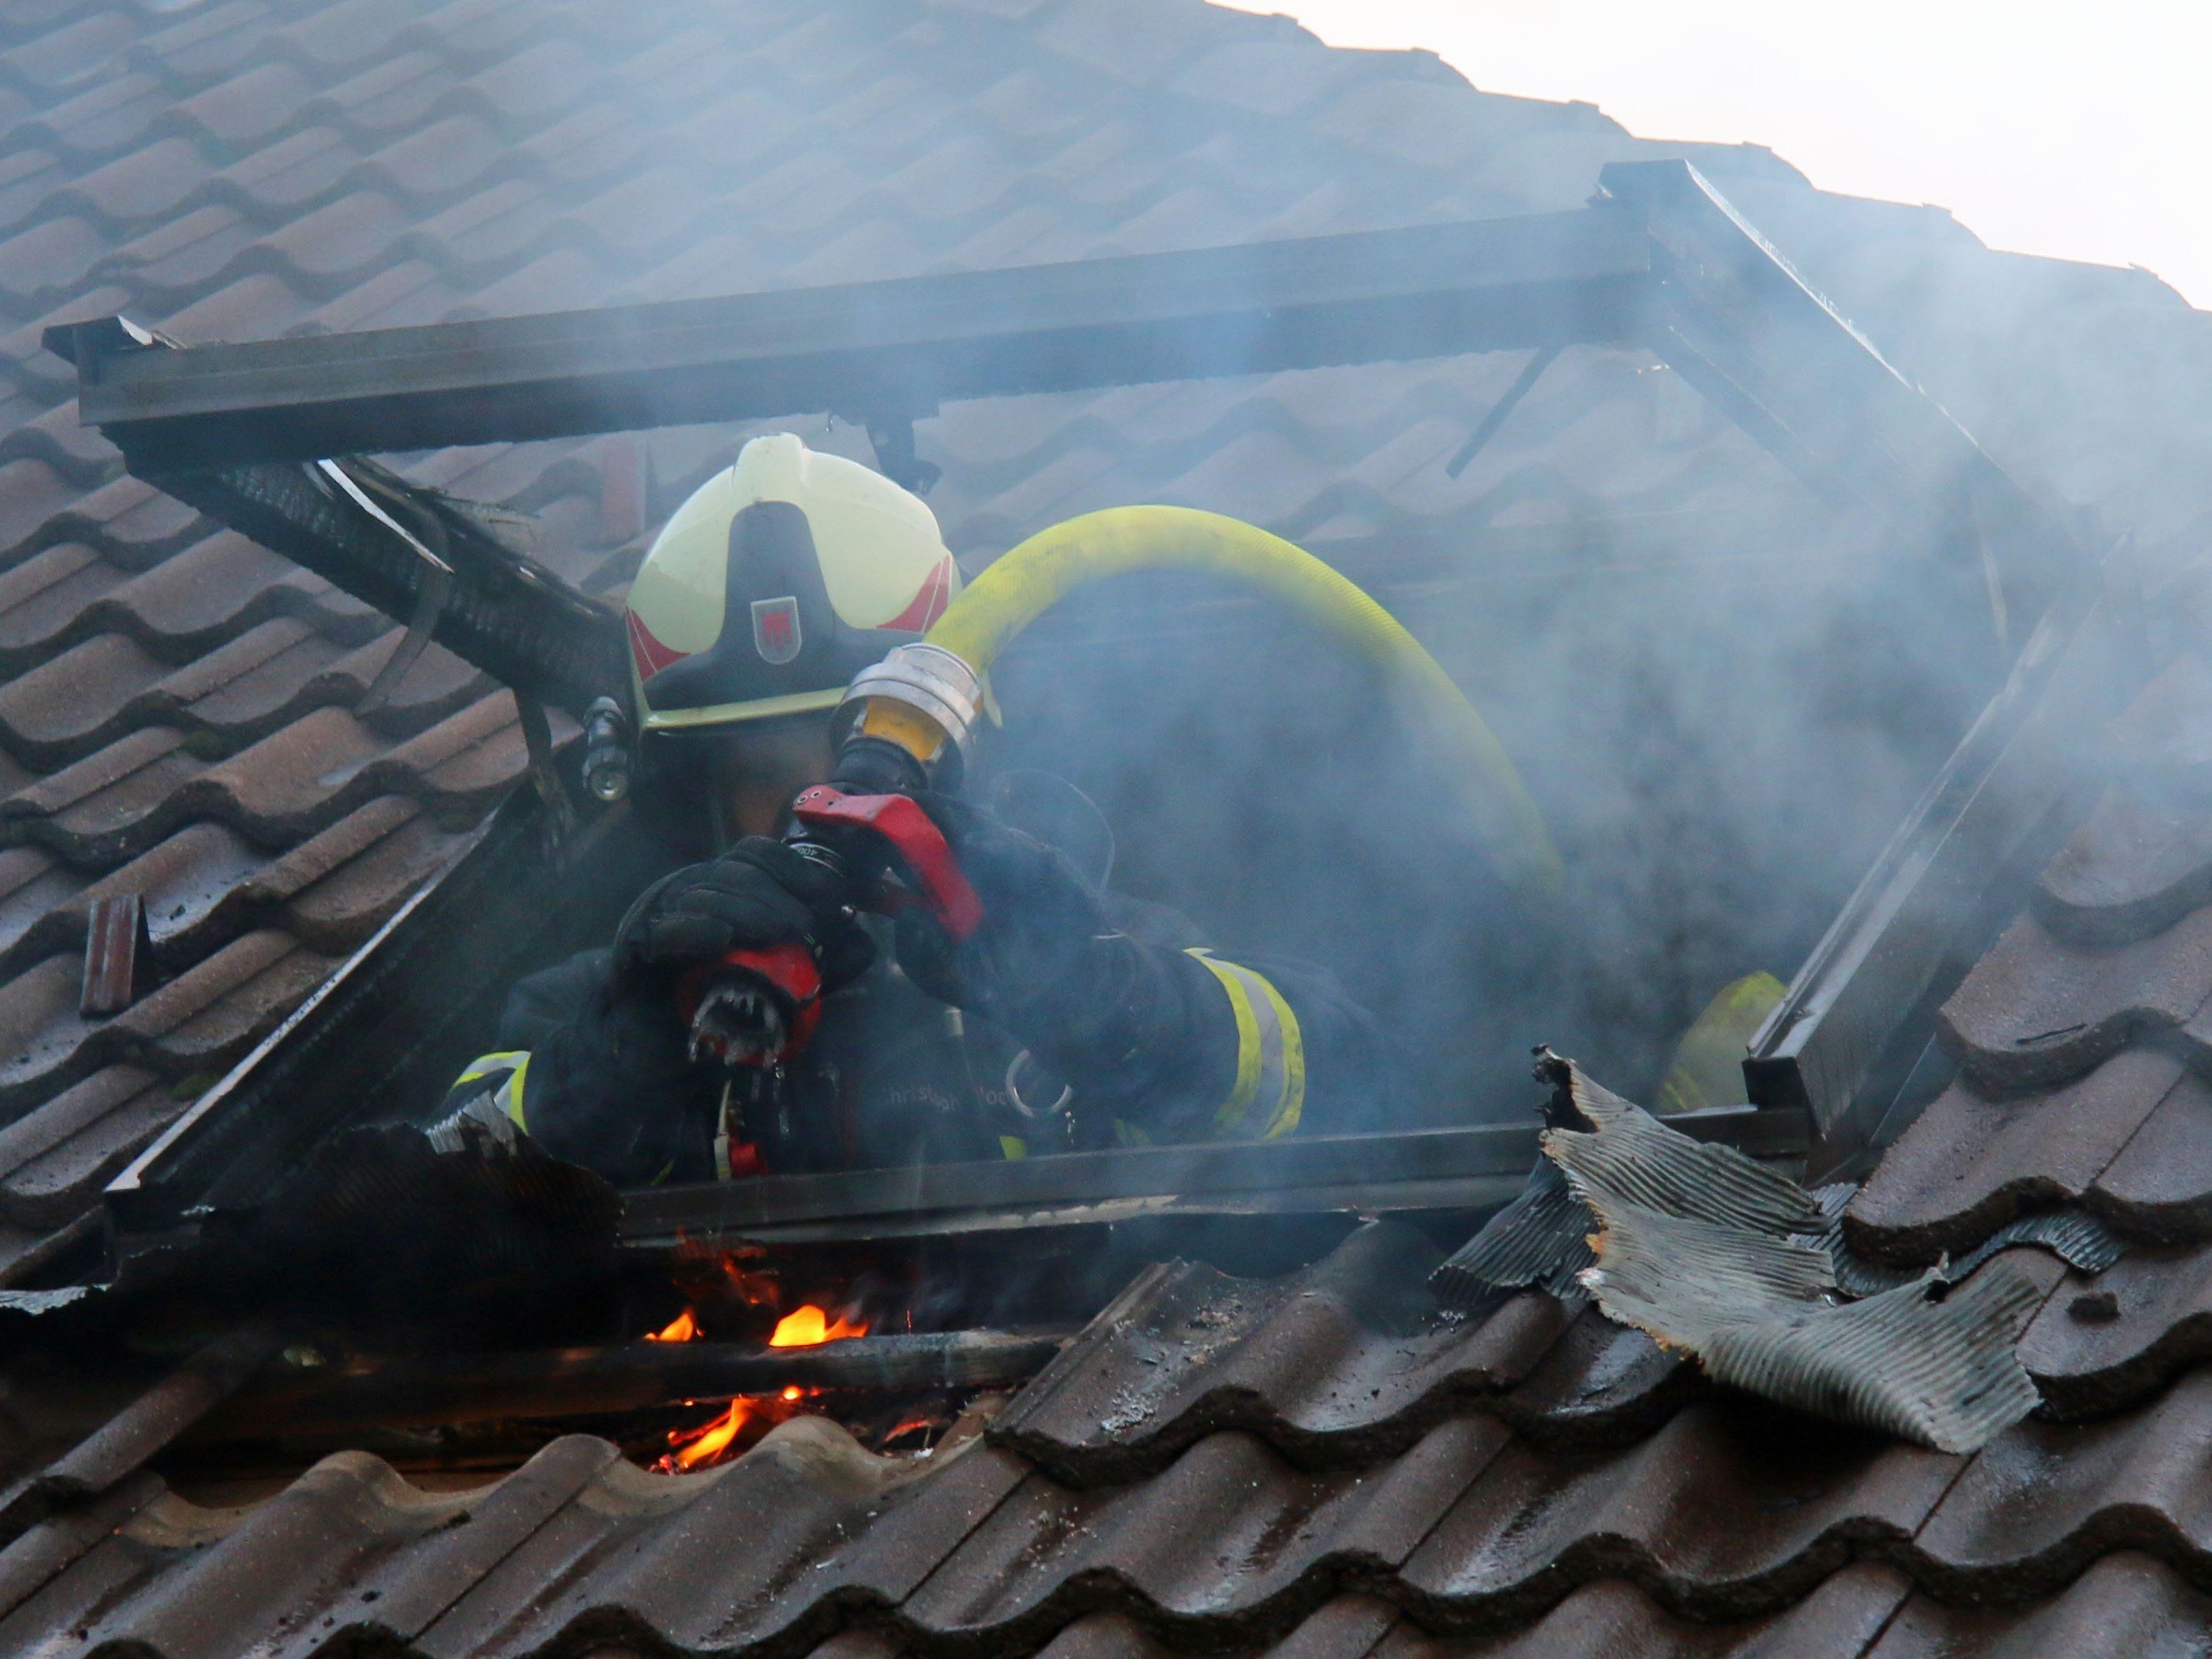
(776, 583)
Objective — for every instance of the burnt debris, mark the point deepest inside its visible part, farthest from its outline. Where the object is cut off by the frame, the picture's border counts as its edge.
(1714, 1255)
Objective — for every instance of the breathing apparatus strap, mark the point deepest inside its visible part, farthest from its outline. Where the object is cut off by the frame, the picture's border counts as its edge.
(1271, 1058)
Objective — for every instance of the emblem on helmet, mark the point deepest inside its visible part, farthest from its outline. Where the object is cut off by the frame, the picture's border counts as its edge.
(776, 628)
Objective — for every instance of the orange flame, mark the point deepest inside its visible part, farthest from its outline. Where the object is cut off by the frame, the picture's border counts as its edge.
(692, 1449)
(681, 1329)
(805, 1327)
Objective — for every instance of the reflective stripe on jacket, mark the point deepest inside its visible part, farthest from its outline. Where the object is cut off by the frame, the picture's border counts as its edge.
(1269, 1095)
(500, 1076)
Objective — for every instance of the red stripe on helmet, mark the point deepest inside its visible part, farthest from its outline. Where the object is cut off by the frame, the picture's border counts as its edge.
(650, 655)
(929, 604)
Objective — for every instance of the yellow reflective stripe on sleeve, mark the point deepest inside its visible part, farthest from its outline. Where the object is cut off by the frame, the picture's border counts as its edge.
(507, 1097)
(1290, 1105)
(485, 1064)
(1271, 1055)
(510, 1092)
(1012, 1146)
(1228, 1117)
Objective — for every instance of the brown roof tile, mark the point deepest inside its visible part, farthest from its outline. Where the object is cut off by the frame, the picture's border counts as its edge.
(1847, 1610)
(57, 1184)
(2038, 1010)
(1314, 1362)
(2158, 1186)
(1728, 1528)
(2126, 1603)
(1969, 1164)
(2140, 863)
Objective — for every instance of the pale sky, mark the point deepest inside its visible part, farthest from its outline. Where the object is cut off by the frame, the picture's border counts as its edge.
(2082, 130)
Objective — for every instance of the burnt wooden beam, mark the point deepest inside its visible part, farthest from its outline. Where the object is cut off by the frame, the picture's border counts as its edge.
(426, 564)
(431, 1390)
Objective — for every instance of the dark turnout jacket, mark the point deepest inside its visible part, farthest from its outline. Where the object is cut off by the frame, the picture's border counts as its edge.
(1180, 1045)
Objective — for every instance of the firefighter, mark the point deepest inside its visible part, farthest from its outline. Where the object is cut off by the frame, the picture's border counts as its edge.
(1074, 1018)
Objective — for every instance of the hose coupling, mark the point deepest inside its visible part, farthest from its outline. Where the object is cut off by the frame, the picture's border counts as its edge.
(922, 698)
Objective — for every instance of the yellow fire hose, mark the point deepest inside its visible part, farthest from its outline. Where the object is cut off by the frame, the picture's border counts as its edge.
(1031, 578)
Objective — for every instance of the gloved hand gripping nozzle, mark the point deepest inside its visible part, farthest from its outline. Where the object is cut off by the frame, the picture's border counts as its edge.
(909, 719)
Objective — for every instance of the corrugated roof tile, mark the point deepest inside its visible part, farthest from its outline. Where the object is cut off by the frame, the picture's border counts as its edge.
(388, 95)
(72, 1111)
(142, 182)
(71, 54)
(1969, 1164)
(246, 108)
(2127, 1602)
(1612, 1616)
(2139, 865)
(64, 1178)
(291, 174)
(102, 119)
(433, 162)
(339, 239)
(2038, 1011)
(1667, 1513)
(1327, 1364)
(2159, 1186)
(2039, 1504)
(206, 41)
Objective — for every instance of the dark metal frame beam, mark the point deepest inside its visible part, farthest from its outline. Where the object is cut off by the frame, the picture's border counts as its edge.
(1420, 1170)
(893, 348)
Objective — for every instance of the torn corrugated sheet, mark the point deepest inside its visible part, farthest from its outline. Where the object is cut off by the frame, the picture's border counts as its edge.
(1540, 1240)
(1713, 1253)
(1599, 1138)
(2070, 1233)
(1919, 1361)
